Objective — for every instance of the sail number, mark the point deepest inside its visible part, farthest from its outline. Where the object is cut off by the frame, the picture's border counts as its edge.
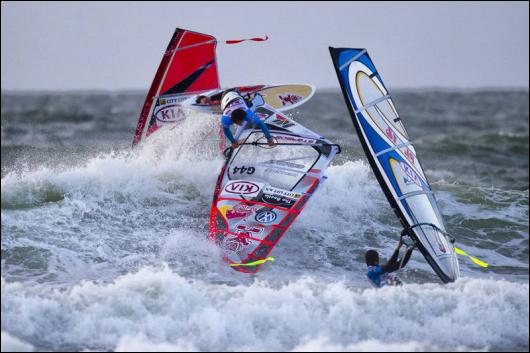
(243, 170)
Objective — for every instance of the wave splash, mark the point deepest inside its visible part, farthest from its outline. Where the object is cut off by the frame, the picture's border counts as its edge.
(156, 305)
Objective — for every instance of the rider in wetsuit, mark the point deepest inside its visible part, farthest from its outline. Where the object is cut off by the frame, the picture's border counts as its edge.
(379, 275)
(236, 111)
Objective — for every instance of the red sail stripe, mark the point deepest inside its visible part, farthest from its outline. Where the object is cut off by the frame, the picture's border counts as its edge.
(255, 39)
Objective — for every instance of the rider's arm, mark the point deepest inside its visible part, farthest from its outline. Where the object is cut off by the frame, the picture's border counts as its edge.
(255, 120)
(228, 134)
(392, 264)
(226, 122)
(407, 255)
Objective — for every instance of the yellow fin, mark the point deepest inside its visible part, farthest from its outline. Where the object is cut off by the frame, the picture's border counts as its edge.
(474, 259)
(259, 262)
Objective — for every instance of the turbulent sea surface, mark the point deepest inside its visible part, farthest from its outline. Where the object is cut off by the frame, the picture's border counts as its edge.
(106, 248)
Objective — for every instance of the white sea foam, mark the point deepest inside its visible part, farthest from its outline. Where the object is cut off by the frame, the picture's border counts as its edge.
(13, 344)
(323, 344)
(158, 309)
(349, 184)
(141, 343)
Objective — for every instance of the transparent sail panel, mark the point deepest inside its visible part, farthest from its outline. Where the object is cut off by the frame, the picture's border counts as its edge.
(281, 167)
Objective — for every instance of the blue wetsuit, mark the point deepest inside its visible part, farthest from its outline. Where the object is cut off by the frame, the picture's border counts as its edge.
(380, 276)
(226, 120)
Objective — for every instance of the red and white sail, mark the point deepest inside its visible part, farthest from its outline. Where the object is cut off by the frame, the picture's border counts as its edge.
(188, 67)
(261, 190)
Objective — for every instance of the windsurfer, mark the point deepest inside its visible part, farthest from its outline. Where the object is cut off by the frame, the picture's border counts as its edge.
(379, 275)
(236, 111)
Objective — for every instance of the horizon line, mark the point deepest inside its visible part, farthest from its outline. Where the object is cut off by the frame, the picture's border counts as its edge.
(325, 88)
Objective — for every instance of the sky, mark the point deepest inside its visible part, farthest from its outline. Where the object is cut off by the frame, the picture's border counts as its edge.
(119, 45)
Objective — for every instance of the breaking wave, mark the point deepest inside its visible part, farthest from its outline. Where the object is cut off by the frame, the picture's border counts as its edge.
(158, 308)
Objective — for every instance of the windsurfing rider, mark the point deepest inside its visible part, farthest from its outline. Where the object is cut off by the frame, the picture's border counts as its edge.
(379, 275)
(236, 111)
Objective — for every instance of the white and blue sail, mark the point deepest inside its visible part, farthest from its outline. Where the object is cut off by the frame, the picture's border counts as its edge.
(393, 158)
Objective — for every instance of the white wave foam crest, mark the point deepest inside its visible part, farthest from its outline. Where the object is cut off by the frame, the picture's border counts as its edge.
(13, 344)
(323, 344)
(157, 306)
(143, 344)
(344, 195)
(178, 164)
(172, 155)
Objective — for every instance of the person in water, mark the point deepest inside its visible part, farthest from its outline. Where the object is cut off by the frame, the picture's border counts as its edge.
(236, 111)
(379, 275)
(203, 100)
(206, 100)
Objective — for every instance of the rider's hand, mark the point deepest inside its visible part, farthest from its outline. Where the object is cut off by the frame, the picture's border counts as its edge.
(271, 142)
(237, 144)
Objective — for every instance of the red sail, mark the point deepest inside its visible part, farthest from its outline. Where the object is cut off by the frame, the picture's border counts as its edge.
(188, 66)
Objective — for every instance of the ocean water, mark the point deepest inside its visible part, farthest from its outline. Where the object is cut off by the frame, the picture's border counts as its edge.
(106, 248)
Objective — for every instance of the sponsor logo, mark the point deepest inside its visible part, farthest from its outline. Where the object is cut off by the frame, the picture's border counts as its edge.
(243, 170)
(412, 177)
(249, 231)
(282, 122)
(281, 192)
(239, 211)
(265, 217)
(410, 155)
(164, 101)
(289, 99)
(242, 188)
(170, 114)
(391, 135)
(235, 243)
(277, 200)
